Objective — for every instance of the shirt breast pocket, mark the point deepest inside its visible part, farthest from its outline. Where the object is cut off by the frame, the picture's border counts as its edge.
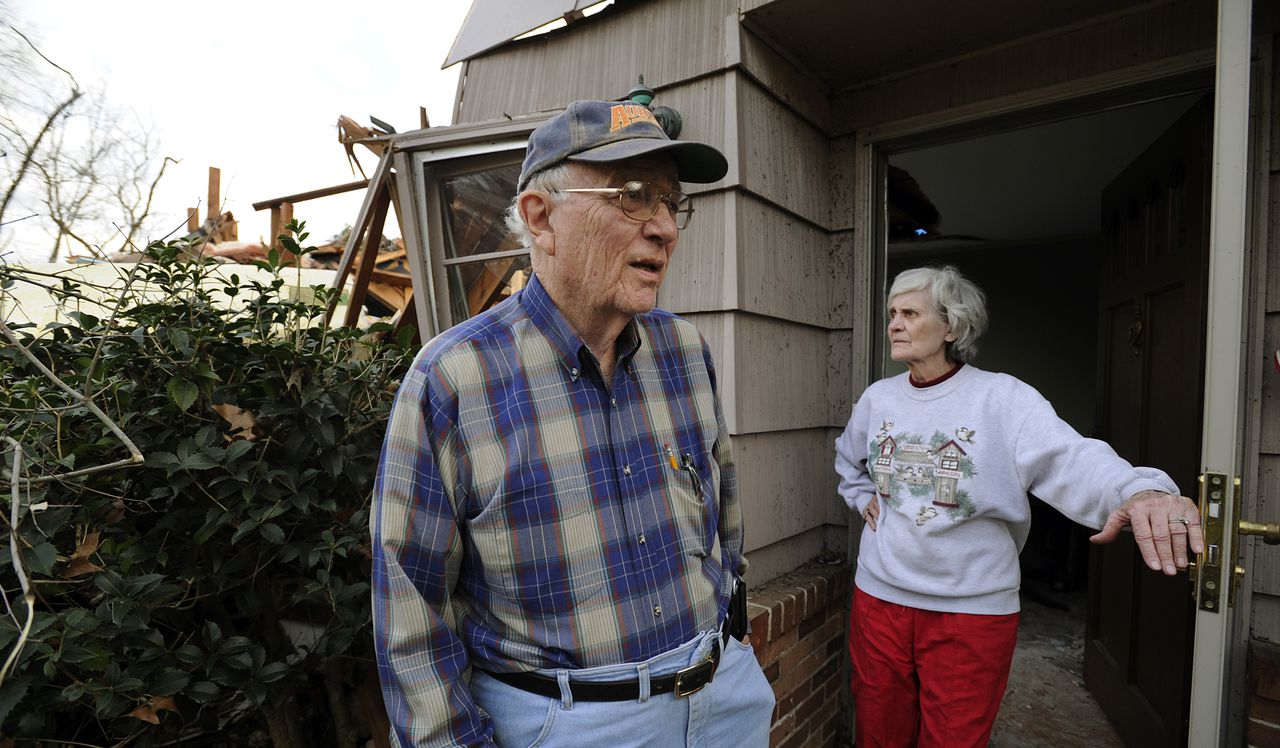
(691, 489)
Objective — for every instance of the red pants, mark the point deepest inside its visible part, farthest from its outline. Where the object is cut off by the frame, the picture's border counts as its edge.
(927, 679)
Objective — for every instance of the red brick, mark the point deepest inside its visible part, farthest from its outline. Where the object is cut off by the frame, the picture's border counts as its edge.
(782, 728)
(1264, 709)
(1264, 669)
(795, 739)
(771, 652)
(1262, 735)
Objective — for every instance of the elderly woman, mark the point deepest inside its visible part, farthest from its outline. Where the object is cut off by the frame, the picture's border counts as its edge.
(939, 462)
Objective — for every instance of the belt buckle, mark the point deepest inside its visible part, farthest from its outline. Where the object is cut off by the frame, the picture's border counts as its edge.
(690, 672)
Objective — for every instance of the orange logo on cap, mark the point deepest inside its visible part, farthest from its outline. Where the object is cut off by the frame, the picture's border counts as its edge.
(625, 115)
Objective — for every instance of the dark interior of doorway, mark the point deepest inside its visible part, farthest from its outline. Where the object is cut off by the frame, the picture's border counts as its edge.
(1018, 212)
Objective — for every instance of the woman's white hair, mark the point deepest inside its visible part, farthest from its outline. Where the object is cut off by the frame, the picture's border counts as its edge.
(550, 180)
(956, 300)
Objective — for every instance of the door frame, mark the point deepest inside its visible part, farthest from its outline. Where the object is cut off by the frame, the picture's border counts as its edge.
(1217, 678)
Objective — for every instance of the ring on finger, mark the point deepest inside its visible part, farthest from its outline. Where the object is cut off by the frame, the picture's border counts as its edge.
(1180, 520)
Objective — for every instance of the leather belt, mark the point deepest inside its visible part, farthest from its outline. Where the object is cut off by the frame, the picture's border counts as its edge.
(683, 683)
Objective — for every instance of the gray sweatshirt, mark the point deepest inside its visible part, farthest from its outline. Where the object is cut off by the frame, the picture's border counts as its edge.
(952, 465)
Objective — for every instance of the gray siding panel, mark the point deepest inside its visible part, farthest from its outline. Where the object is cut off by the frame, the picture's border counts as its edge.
(781, 376)
(795, 87)
(600, 58)
(1270, 441)
(787, 482)
(1266, 561)
(786, 265)
(782, 157)
(696, 279)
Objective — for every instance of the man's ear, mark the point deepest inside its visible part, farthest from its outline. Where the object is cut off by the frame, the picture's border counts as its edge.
(535, 209)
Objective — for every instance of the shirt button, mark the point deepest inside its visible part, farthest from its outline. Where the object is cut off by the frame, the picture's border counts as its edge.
(657, 611)
(573, 374)
(613, 401)
(626, 470)
(641, 540)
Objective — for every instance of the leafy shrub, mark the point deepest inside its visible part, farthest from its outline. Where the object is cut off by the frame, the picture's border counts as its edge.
(227, 573)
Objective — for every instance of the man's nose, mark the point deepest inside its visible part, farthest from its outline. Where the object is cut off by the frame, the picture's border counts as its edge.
(662, 226)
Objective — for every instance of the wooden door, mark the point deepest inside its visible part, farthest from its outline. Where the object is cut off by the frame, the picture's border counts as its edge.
(1152, 299)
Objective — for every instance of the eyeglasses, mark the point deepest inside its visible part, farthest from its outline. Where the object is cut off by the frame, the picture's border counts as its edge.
(639, 201)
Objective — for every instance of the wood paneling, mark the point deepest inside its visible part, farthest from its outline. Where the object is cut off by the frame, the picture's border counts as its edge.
(1271, 295)
(794, 86)
(1266, 618)
(781, 375)
(666, 41)
(787, 268)
(782, 157)
(840, 376)
(697, 280)
(786, 481)
(1265, 571)
(1131, 40)
(1270, 441)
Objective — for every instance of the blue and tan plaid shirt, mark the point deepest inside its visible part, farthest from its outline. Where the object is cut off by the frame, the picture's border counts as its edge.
(528, 516)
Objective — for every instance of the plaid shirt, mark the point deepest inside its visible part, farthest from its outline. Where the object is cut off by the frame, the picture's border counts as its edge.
(527, 516)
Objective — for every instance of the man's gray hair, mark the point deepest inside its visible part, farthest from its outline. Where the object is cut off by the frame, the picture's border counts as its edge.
(956, 300)
(550, 180)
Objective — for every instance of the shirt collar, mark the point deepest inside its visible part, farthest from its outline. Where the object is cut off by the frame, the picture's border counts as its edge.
(546, 316)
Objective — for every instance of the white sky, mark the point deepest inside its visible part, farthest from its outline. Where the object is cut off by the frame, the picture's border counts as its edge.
(254, 88)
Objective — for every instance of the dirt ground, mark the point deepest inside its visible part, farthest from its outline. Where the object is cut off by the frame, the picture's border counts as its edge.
(1046, 703)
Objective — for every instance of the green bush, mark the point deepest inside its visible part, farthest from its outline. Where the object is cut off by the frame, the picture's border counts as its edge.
(222, 582)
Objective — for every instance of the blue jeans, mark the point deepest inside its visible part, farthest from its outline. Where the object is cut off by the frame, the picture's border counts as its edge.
(733, 711)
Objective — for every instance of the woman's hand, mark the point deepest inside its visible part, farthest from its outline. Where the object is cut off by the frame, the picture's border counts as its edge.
(1163, 526)
(872, 513)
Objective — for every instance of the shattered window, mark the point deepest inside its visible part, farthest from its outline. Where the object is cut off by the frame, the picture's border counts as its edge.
(484, 263)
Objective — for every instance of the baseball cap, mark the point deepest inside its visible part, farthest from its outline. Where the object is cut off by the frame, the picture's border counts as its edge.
(608, 131)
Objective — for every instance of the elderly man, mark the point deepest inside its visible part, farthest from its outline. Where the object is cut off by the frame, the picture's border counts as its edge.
(556, 532)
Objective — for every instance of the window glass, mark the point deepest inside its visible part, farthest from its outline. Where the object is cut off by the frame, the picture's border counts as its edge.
(476, 286)
(473, 210)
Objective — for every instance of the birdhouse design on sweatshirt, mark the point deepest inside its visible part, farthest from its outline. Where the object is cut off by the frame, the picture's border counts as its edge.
(882, 468)
(905, 466)
(948, 475)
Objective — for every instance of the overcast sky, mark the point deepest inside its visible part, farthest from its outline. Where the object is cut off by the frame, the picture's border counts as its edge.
(256, 88)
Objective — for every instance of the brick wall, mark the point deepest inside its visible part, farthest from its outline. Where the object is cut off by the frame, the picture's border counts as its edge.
(1263, 730)
(799, 624)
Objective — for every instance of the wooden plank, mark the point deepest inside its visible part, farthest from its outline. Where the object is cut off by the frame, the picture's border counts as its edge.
(369, 258)
(302, 197)
(286, 215)
(277, 224)
(213, 208)
(376, 186)
(193, 220)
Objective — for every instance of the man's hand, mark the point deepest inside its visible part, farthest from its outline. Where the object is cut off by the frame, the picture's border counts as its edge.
(872, 513)
(1162, 525)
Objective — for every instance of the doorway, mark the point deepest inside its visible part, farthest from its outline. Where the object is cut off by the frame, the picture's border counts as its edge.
(1019, 211)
